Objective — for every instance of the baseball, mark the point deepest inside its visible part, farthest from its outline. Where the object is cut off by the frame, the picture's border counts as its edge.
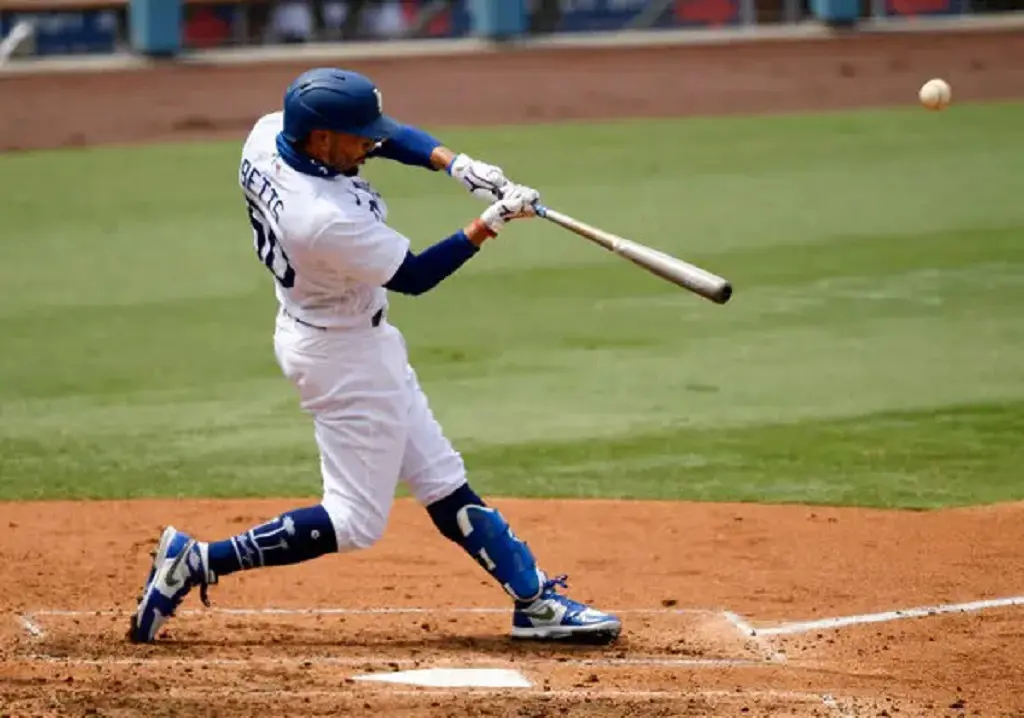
(935, 94)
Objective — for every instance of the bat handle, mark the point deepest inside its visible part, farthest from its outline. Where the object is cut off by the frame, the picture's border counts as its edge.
(540, 209)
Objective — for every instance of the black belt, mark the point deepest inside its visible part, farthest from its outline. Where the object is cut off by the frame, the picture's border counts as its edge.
(375, 320)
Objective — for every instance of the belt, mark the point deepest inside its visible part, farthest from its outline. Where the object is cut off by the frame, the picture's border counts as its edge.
(375, 320)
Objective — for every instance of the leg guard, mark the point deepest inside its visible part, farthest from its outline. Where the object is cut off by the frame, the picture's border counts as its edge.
(487, 537)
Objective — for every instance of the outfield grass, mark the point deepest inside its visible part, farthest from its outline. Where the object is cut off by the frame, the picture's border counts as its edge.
(873, 353)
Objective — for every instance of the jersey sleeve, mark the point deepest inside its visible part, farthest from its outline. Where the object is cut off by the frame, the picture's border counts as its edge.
(364, 249)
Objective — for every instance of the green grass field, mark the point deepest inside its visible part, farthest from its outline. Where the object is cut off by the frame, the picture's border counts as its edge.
(873, 353)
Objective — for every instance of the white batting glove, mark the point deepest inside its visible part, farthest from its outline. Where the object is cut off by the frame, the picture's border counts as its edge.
(484, 181)
(518, 202)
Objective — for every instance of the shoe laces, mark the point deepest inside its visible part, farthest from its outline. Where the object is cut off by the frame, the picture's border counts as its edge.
(549, 591)
(551, 583)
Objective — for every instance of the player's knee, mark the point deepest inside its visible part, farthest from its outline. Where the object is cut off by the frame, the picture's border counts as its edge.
(440, 480)
(356, 527)
(369, 531)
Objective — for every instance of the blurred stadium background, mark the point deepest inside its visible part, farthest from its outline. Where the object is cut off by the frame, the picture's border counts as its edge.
(61, 27)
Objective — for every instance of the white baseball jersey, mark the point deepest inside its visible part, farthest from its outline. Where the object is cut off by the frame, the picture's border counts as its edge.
(324, 239)
(326, 243)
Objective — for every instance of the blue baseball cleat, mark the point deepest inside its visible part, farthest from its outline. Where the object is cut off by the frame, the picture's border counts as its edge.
(179, 564)
(553, 617)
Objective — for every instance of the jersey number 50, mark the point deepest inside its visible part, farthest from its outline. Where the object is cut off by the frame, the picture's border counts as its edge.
(267, 248)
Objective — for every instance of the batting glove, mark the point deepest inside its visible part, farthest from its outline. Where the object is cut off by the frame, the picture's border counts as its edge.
(484, 181)
(518, 202)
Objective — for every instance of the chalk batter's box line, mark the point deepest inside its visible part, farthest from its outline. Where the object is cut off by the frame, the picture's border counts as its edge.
(635, 662)
(797, 627)
(329, 611)
(828, 702)
(768, 694)
(747, 631)
(743, 626)
(29, 620)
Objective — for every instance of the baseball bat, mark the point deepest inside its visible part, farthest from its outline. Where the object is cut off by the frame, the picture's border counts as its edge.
(690, 277)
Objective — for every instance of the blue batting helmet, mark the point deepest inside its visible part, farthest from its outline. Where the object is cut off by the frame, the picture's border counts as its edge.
(325, 98)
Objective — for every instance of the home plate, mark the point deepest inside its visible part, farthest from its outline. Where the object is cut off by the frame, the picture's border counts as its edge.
(453, 678)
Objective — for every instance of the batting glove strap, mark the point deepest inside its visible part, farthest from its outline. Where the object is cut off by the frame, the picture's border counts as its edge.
(485, 182)
(496, 216)
(519, 202)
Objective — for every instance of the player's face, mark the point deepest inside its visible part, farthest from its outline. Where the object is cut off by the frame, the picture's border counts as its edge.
(338, 150)
(347, 152)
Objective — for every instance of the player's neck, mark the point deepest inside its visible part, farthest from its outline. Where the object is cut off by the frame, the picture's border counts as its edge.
(303, 163)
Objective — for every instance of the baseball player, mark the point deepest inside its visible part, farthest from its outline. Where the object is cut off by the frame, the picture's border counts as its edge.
(321, 231)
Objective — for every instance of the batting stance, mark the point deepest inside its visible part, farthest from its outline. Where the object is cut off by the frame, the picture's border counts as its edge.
(320, 229)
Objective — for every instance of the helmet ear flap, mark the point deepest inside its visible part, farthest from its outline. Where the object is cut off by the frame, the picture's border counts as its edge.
(298, 141)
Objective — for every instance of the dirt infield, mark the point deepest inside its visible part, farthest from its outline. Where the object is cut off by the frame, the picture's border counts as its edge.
(715, 598)
(691, 581)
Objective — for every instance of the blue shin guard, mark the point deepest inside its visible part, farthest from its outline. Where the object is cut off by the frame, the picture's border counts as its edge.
(487, 537)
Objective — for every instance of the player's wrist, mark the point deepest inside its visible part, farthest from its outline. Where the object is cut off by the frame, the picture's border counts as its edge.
(442, 158)
(478, 232)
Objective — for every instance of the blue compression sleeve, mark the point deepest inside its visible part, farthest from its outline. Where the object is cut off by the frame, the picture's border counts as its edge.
(422, 272)
(410, 146)
(293, 537)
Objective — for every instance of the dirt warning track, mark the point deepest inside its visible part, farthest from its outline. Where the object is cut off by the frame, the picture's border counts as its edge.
(182, 102)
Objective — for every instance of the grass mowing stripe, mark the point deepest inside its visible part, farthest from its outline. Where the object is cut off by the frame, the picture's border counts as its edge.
(873, 276)
(920, 459)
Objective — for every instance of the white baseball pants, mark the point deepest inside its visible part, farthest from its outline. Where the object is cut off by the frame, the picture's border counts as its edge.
(372, 424)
